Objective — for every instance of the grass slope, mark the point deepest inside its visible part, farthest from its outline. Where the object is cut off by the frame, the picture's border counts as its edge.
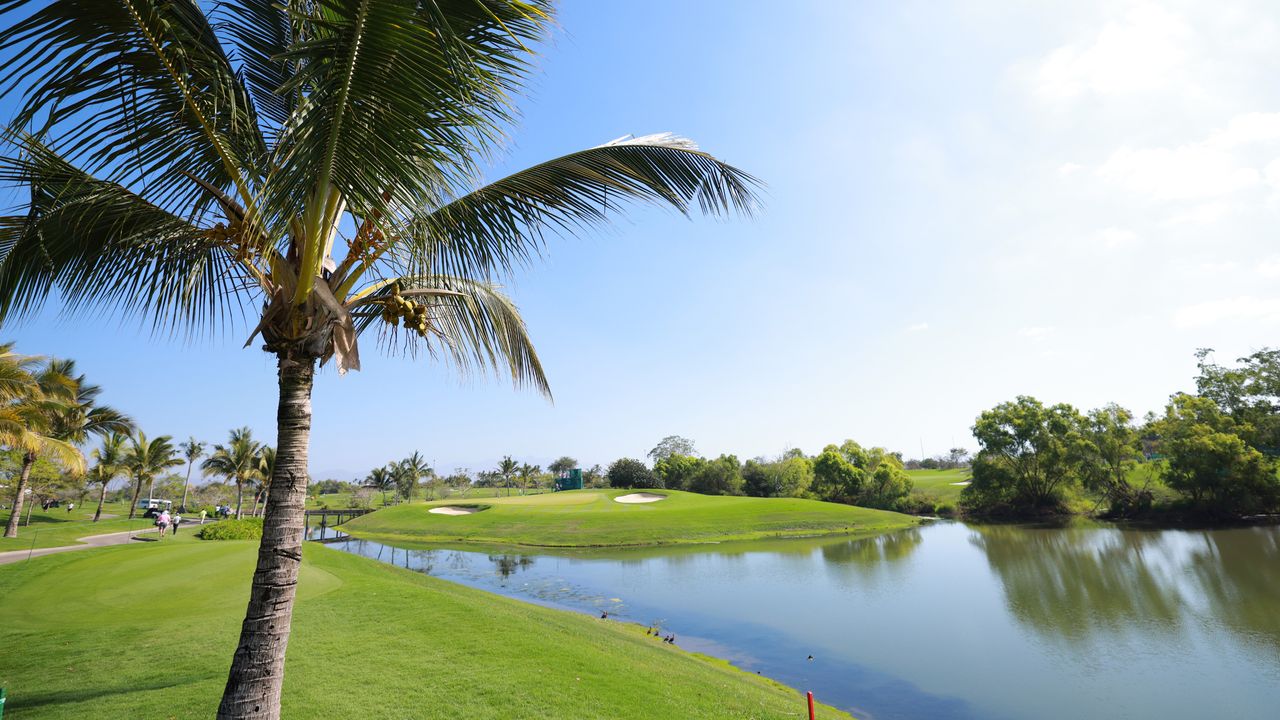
(147, 631)
(591, 518)
(56, 527)
(939, 484)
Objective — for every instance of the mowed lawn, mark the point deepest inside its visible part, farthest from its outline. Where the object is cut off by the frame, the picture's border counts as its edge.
(147, 631)
(55, 527)
(939, 484)
(592, 518)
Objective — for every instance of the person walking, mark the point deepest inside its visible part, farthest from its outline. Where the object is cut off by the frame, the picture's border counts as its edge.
(69, 507)
(175, 521)
(202, 514)
(162, 522)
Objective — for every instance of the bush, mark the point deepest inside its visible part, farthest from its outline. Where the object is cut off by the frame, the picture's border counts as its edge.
(630, 473)
(245, 529)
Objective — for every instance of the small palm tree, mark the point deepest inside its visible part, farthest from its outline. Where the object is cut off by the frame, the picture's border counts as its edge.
(29, 421)
(507, 469)
(144, 460)
(237, 461)
(265, 465)
(107, 466)
(193, 158)
(381, 480)
(192, 450)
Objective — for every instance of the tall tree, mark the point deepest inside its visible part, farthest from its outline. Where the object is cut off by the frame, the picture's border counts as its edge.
(237, 461)
(507, 469)
(381, 480)
(672, 445)
(191, 161)
(192, 450)
(37, 396)
(144, 460)
(263, 466)
(562, 464)
(107, 466)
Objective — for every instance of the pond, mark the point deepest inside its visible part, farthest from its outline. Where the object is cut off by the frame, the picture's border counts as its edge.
(947, 621)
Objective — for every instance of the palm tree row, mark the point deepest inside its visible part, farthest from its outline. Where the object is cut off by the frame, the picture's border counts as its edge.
(190, 159)
(401, 477)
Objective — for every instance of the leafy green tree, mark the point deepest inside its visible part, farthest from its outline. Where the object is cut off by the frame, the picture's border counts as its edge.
(675, 470)
(885, 481)
(785, 477)
(593, 477)
(631, 473)
(1029, 454)
(237, 461)
(1249, 393)
(672, 445)
(1209, 461)
(562, 464)
(507, 470)
(192, 450)
(722, 476)
(195, 158)
(1112, 448)
(834, 477)
(854, 453)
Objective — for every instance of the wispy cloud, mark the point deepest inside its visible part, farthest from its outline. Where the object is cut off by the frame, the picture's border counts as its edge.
(1243, 308)
(918, 327)
(1035, 333)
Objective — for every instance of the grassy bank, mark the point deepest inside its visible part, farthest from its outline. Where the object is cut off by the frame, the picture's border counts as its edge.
(147, 631)
(592, 518)
(56, 527)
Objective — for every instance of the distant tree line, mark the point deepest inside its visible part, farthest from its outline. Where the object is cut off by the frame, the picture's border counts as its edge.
(1209, 454)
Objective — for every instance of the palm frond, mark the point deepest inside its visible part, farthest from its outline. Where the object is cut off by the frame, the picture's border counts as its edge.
(471, 325)
(97, 243)
(95, 70)
(503, 224)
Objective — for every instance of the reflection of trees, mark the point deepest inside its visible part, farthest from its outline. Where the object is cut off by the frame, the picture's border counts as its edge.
(1074, 582)
(508, 565)
(869, 560)
(1239, 574)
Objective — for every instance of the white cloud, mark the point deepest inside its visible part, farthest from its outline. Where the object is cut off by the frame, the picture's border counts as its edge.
(1270, 267)
(1114, 238)
(1035, 333)
(1067, 169)
(1146, 49)
(1243, 308)
(918, 327)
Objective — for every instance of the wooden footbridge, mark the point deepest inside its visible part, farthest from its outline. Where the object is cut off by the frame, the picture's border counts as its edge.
(329, 518)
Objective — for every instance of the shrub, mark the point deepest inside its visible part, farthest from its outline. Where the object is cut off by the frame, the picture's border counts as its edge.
(245, 529)
(630, 473)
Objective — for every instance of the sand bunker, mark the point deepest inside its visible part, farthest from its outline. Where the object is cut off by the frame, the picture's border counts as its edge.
(451, 510)
(961, 484)
(633, 498)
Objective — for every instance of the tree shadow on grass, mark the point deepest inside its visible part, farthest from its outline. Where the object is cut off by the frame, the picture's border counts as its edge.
(19, 700)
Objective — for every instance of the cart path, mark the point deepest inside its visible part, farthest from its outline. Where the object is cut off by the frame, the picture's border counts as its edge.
(91, 541)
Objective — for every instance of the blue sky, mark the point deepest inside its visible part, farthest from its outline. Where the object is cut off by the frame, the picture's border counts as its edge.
(966, 201)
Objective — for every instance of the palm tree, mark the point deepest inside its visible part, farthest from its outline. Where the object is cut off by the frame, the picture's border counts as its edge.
(415, 469)
(192, 450)
(107, 466)
(191, 163)
(236, 461)
(144, 460)
(30, 420)
(507, 468)
(381, 480)
(264, 465)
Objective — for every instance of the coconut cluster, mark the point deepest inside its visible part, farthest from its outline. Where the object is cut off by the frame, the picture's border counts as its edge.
(400, 309)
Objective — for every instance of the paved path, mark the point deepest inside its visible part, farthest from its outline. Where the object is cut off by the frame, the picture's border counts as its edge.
(92, 541)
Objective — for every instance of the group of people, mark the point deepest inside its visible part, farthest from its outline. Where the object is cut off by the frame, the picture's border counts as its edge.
(223, 511)
(168, 523)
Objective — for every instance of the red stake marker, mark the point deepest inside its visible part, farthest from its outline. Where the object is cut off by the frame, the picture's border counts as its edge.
(810, 705)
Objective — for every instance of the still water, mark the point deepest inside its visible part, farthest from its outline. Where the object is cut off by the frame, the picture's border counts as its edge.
(947, 621)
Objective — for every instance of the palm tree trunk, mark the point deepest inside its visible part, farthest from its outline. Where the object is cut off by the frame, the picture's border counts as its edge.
(101, 499)
(257, 671)
(239, 496)
(11, 530)
(256, 498)
(137, 492)
(185, 485)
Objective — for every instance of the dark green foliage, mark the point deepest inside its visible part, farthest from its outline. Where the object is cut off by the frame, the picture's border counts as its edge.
(243, 529)
(631, 473)
(834, 477)
(1030, 454)
(722, 476)
(675, 470)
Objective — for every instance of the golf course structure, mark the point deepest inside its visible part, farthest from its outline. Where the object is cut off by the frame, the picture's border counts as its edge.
(613, 518)
(147, 630)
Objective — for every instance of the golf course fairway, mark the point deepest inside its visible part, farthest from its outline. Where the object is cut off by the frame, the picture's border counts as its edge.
(596, 518)
(147, 631)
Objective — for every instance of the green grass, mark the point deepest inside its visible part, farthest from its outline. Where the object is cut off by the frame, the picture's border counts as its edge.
(148, 630)
(56, 527)
(939, 484)
(591, 518)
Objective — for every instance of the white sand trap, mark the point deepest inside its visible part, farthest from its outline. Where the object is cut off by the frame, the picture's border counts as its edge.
(450, 510)
(633, 498)
(962, 484)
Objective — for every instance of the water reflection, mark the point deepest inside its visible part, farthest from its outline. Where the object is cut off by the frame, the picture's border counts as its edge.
(507, 565)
